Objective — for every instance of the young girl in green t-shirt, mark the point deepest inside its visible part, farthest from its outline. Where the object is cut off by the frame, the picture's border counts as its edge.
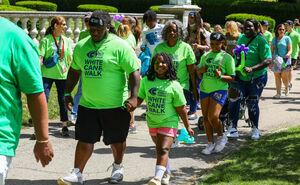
(217, 69)
(165, 103)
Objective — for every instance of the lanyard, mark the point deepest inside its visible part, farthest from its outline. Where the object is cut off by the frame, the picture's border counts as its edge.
(58, 46)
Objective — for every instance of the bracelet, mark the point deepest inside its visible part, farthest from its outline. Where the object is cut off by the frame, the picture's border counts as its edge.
(46, 141)
(221, 77)
(67, 94)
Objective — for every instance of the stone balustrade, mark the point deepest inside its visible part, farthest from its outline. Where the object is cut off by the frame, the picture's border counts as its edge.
(72, 18)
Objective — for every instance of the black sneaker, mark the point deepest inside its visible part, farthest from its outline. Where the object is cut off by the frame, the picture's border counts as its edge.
(65, 131)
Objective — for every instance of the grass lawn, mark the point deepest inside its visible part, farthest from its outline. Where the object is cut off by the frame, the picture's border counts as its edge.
(272, 160)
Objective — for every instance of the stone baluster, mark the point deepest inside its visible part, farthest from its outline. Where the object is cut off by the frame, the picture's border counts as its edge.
(76, 30)
(24, 24)
(15, 20)
(43, 28)
(34, 32)
(83, 25)
(69, 30)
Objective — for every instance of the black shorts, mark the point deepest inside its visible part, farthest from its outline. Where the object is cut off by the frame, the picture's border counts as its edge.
(294, 62)
(90, 123)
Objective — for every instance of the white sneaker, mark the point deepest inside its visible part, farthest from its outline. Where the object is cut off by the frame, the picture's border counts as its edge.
(277, 96)
(166, 178)
(209, 148)
(255, 133)
(117, 173)
(231, 132)
(74, 177)
(154, 181)
(221, 142)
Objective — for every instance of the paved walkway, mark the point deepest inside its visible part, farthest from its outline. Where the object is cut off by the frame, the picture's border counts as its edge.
(187, 162)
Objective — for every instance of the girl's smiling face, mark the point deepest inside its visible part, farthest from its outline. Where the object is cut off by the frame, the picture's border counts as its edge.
(216, 46)
(160, 67)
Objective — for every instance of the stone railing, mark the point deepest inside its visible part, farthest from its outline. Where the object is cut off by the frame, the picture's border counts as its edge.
(73, 21)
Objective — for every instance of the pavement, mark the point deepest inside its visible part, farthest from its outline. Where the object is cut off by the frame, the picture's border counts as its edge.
(187, 163)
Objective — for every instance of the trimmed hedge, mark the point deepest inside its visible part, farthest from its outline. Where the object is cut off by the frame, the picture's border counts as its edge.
(5, 2)
(214, 11)
(93, 7)
(14, 8)
(241, 17)
(38, 5)
(155, 8)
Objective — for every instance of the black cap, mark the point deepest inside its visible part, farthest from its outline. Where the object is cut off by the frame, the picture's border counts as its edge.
(99, 19)
(264, 23)
(289, 22)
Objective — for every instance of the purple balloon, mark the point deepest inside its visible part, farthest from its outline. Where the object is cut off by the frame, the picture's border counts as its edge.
(118, 18)
(239, 49)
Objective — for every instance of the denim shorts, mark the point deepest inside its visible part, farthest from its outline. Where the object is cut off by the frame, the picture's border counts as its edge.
(219, 96)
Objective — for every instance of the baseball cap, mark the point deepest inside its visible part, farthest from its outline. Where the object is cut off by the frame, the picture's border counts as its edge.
(289, 22)
(88, 15)
(264, 23)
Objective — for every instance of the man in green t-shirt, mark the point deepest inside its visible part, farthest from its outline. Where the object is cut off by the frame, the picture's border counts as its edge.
(20, 72)
(267, 34)
(103, 61)
(295, 37)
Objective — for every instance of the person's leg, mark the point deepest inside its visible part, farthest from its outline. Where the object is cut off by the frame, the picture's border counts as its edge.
(118, 150)
(214, 110)
(278, 82)
(207, 125)
(4, 166)
(47, 82)
(285, 79)
(76, 99)
(82, 154)
(60, 86)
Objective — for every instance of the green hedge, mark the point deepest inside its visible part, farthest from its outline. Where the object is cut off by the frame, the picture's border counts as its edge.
(38, 5)
(93, 7)
(14, 8)
(214, 11)
(155, 8)
(5, 2)
(241, 17)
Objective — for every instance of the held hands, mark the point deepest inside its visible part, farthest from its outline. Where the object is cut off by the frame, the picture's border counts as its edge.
(43, 152)
(69, 102)
(131, 104)
(218, 73)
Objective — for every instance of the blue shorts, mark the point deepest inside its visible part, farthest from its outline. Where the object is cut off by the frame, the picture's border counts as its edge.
(219, 96)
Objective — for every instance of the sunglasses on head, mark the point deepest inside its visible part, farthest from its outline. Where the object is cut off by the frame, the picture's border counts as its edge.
(192, 13)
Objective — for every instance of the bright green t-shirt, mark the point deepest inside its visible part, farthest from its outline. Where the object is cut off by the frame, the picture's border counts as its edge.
(210, 82)
(162, 96)
(131, 40)
(19, 72)
(103, 71)
(182, 55)
(259, 51)
(295, 37)
(268, 36)
(83, 34)
(47, 48)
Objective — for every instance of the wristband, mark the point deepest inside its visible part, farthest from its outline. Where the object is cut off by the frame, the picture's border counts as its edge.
(46, 141)
(67, 94)
(221, 77)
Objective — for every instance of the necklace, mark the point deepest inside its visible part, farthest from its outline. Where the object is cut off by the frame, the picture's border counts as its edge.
(97, 48)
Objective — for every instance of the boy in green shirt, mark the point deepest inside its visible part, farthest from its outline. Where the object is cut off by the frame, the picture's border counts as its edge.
(267, 34)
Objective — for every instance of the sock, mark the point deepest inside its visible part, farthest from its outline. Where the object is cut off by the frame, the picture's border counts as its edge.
(159, 171)
(168, 167)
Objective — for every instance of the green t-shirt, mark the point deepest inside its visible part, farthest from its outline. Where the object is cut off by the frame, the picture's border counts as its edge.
(259, 51)
(268, 36)
(19, 72)
(47, 48)
(130, 40)
(210, 82)
(162, 96)
(83, 34)
(103, 71)
(298, 30)
(182, 55)
(295, 37)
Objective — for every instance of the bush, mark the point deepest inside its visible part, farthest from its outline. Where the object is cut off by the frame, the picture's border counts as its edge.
(241, 17)
(38, 5)
(93, 7)
(155, 8)
(214, 11)
(14, 8)
(5, 2)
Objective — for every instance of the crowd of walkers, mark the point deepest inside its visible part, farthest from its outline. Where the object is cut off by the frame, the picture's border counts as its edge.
(189, 68)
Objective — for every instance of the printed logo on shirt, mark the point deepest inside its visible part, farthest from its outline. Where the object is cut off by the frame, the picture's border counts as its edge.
(151, 38)
(212, 66)
(175, 61)
(217, 96)
(156, 101)
(93, 67)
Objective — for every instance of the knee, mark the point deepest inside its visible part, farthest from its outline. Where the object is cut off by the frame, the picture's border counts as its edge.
(252, 101)
(234, 94)
(162, 151)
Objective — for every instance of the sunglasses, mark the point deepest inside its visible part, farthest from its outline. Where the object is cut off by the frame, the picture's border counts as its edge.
(192, 13)
(281, 29)
(86, 20)
(64, 24)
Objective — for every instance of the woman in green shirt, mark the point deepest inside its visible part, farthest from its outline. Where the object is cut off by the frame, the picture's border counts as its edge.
(54, 42)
